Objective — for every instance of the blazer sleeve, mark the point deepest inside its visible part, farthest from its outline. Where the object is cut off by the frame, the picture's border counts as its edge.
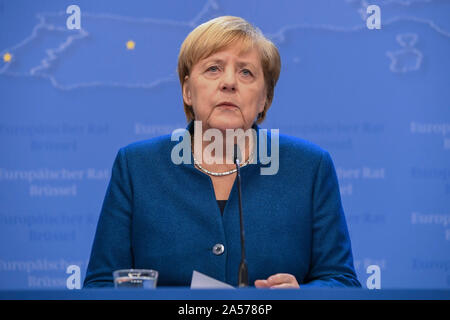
(331, 259)
(111, 249)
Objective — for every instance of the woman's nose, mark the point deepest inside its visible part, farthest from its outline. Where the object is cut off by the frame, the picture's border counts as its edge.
(228, 81)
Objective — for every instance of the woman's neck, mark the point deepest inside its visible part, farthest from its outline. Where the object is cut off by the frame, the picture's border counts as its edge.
(214, 149)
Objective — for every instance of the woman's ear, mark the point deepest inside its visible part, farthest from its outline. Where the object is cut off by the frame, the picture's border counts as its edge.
(262, 106)
(187, 91)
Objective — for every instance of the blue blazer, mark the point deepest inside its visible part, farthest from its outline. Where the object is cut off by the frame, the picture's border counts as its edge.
(163, 216)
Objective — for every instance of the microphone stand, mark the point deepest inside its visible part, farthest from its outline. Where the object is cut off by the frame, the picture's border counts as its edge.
(243, 271)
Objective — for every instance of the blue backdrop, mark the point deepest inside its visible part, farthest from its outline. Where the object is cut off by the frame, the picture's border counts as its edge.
(377, 100)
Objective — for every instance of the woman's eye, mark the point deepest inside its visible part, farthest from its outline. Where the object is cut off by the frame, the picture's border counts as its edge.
(247, 72)
(213, 68)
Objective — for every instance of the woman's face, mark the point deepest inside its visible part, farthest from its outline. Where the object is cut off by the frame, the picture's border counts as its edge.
(227, 90)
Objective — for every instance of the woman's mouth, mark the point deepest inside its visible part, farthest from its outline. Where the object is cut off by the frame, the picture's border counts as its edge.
(227, 105)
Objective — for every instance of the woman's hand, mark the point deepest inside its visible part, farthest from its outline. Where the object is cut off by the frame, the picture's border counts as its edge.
(279, 280)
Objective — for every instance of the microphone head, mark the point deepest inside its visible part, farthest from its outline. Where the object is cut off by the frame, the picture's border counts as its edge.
(237, 154)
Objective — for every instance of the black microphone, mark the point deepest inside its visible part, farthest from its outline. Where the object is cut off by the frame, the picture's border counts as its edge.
(243, 271)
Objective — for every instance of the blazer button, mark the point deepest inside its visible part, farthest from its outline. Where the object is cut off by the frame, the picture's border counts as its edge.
(218, 249)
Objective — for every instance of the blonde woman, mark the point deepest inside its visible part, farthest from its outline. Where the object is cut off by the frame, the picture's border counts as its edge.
(180, 217)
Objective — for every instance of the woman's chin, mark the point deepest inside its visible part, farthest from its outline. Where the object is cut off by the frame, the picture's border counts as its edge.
(224, 123)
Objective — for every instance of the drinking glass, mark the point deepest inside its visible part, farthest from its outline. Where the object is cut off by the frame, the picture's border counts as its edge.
(135, 278)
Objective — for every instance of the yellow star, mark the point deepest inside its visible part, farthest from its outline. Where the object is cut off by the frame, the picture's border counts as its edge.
(130, 44)
(7, 57)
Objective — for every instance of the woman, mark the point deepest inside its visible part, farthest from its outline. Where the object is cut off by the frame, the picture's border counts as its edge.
(177, 218)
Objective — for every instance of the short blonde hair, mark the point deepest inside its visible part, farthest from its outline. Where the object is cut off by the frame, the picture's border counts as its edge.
(219, 33)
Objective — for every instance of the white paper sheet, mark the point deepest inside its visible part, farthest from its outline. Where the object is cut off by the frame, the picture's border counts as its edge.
(202, 281)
